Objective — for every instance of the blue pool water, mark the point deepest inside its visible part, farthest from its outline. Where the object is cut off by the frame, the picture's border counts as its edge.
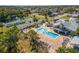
(46, 32)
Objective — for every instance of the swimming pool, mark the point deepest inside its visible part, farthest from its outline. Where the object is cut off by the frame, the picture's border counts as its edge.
(46, 32)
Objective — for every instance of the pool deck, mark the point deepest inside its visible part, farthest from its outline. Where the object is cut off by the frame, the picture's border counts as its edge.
(55, 43)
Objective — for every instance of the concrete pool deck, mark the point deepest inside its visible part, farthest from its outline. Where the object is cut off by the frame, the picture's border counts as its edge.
(54, 43)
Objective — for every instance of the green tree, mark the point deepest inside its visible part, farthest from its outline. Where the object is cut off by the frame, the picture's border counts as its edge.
(12, 38)
(8, 40)
(67, 50)
(75, 33)
(23, 44)
(29, 42)
(37, 45)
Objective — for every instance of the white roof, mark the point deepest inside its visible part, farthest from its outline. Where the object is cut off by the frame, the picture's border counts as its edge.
(75, 40)
(71, 26)
(56, 24)
(74, 15)
(61, 21)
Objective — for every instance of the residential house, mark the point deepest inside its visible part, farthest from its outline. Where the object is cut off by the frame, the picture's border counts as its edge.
(75, 42)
